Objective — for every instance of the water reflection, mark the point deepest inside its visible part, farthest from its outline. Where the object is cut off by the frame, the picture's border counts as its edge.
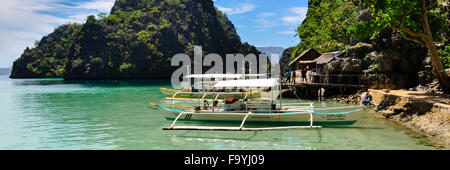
(185, 135)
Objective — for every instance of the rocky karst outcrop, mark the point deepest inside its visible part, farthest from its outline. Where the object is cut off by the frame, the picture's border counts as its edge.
(418, 111)
(394, 63)
(343, 66)
(389, 61)
(137, 40)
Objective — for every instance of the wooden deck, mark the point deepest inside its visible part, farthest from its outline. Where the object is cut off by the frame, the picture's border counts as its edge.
(318, 84)
(328, 81)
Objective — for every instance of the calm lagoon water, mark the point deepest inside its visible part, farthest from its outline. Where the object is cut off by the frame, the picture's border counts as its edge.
(61, 114)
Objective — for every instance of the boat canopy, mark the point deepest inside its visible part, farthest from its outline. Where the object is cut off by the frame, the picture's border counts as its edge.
(253, 75)
(251, 83)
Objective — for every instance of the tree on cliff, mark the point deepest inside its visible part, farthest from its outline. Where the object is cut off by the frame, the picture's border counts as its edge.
(325, 26)
(420, 21)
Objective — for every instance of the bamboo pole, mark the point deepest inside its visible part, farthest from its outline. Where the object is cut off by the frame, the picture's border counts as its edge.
(219, 128)
(245, 118)
(175, 121)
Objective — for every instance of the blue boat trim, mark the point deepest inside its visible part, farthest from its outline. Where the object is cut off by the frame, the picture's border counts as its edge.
(338, 113)
(337, 108)
(172, 110)
(330, 113)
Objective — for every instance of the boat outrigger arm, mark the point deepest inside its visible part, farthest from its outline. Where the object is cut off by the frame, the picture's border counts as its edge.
(241, 127)
(258, 83)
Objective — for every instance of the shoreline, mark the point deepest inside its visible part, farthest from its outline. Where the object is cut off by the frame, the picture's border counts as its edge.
(419, 111)
(424, 113)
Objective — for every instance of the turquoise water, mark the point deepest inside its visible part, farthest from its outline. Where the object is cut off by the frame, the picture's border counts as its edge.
(59, 114)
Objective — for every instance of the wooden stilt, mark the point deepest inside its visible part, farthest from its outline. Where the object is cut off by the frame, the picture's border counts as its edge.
(320, 93)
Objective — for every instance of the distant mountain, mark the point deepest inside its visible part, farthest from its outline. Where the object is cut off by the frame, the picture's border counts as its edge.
(271, 50)
(5, 71)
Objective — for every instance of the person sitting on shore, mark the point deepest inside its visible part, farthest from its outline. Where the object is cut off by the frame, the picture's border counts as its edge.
(366, 98)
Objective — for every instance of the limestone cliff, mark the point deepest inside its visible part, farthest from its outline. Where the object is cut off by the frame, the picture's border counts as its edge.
(387, 60)
(137, 40)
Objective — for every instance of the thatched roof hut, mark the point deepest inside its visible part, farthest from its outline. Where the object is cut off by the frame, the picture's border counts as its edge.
(306, 58)
(325, 59)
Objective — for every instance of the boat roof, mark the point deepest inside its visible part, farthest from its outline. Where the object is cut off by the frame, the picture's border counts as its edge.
(237, 76)
(253, 75)
(251, 83)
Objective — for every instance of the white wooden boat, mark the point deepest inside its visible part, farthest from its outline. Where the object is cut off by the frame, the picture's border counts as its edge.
(266, 111)
(300, 115)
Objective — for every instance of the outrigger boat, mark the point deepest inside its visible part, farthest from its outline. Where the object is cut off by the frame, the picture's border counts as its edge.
(205, 90)
(264, 111)
(180, 94)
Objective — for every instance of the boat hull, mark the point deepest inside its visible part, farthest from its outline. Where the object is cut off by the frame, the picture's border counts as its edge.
(283, 118)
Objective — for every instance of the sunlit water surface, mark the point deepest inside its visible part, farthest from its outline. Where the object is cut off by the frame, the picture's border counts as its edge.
(61, 114)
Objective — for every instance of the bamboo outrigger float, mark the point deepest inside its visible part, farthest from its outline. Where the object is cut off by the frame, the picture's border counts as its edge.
(243, 111)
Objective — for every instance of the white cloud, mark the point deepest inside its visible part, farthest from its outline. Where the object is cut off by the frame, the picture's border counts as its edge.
(286, 32)
(239, 9)
(22, 22)
(100, 5)
(267, 20)
(15, 16)
(299, 14)
(266, 14)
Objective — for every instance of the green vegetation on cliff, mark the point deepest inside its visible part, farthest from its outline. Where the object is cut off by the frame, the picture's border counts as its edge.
(326, 24)
(384, 38)
(445, 56)
(338, 25)
(137, 40)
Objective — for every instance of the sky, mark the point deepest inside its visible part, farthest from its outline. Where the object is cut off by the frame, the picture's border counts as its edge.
(262, 23)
